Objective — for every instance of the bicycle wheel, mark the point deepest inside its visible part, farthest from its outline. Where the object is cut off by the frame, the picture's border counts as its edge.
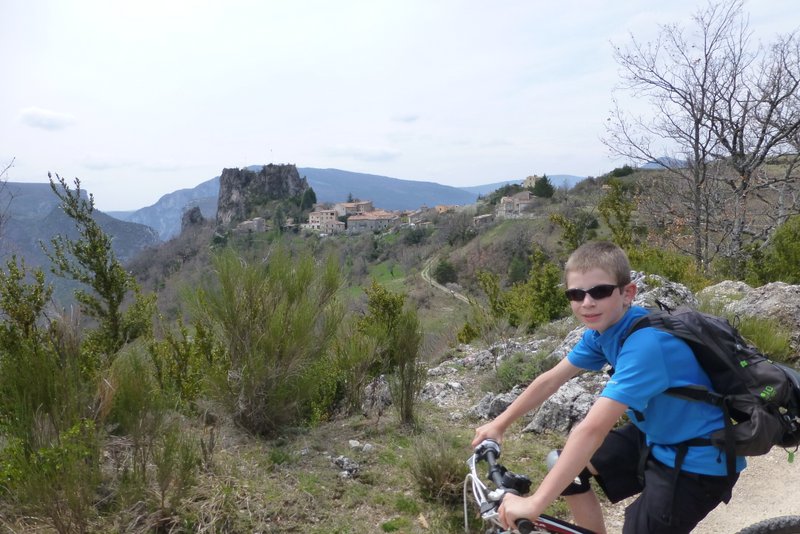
(788, 524)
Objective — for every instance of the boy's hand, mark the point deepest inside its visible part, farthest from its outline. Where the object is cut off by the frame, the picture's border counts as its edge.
(515, 507)
(487, 431)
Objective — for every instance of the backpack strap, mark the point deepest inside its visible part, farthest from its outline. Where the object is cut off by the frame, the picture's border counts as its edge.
(680, 455)
(701, 394)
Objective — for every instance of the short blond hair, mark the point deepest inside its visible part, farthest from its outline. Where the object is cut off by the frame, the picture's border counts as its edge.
(600, 255)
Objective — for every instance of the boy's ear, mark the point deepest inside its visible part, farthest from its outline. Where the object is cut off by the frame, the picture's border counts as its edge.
(629, 293)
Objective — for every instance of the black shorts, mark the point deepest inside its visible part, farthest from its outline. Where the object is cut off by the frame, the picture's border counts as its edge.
(654, 511)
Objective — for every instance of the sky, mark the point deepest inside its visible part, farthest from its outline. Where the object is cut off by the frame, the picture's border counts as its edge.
(141, 98)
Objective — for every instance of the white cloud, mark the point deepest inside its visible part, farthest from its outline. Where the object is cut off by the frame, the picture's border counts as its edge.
(161, 166)
(362, 153)
(45, 119)
(406, 118)
(104, 163)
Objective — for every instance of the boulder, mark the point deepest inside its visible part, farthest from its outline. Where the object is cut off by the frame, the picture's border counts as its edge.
(568, 406)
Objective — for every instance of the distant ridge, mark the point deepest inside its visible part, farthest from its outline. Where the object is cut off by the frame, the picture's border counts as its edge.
(334, 185)
(558, 180)
(665, 162)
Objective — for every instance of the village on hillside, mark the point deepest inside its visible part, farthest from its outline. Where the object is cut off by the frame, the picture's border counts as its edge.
(361, 216)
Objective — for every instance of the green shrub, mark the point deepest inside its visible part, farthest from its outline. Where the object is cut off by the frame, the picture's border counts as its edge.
(468, 333)
(780, 261)
(619, 172)
(134, 408)
(520, 369)
(768, 335)
(671, 265)
(105, 284)
(176, 459)
(276, 321)
(179, 361)
(398, 337)
(396, 524)
(444, 272)
(408, 378)
(57, 480)
(357, 363)
(540, 299)
(439, 473)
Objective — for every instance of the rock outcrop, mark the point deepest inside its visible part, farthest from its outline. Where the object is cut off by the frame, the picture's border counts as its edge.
(243, 191)
(777, 300)
(192, 217)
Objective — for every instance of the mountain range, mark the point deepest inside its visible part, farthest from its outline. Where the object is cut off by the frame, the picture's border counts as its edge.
(30, 215)
(330, 185)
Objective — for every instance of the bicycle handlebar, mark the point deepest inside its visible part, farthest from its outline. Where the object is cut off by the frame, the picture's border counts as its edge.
(507, 482)
(489, 450)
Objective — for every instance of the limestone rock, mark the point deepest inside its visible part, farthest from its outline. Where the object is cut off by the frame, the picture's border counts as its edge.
(192, 217)
(241, 191)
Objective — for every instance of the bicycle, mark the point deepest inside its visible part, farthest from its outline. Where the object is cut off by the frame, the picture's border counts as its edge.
(505, 481)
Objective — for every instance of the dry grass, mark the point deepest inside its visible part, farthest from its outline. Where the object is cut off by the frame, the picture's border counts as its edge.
(292, 484)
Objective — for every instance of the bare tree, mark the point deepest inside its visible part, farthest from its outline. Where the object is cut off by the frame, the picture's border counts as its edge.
(716, 104)
(5, 196)
(757, 117)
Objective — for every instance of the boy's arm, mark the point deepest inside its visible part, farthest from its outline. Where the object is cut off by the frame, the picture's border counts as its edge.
(534, 395)
(583, 441)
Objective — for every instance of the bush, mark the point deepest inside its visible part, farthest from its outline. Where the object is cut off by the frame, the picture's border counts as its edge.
(409, 373)
(397, 336)
(619, 172)
(134, 406)
(180, 361)
(779, 261)
(672, 265)
(445, 273)
(520, 369)
(540, 299)
(468, 333)
(276, 321)
(767, 335)
(175, 459)
(357, 363)
(56, 480)
(440, 470)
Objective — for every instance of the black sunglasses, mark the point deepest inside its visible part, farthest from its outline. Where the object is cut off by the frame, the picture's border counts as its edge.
(598, 292)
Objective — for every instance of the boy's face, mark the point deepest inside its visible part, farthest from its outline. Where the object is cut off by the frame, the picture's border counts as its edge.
(602, 313)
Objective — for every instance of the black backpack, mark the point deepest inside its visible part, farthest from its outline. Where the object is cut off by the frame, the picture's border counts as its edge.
(760, 398)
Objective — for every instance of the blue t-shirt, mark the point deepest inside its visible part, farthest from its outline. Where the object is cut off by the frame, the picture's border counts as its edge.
(650, 362)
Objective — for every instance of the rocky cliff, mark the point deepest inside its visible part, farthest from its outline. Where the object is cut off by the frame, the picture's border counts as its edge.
(242, 192)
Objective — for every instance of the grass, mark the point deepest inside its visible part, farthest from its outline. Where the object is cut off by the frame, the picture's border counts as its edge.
(387, 272)
(768, 335)
(292, 485)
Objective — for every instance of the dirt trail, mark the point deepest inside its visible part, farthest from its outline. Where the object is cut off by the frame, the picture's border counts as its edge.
(769, 487)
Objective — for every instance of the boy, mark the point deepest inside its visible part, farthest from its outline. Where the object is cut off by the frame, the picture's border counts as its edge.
(673, 501)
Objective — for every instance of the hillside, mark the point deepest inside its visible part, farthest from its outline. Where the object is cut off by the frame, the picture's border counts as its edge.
(33, 216)
(557, 180)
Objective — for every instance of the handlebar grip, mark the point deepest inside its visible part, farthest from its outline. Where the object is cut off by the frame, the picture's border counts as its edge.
(525, 526)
